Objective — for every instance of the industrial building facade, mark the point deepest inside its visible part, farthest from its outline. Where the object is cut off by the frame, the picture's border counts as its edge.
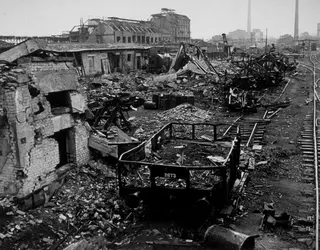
(175, 27)
(166, 26)
(115, 30)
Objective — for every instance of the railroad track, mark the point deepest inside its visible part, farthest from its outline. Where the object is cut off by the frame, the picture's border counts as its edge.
(251, 129)
(310, 147)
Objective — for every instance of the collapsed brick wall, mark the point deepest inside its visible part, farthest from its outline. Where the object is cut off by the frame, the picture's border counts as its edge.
(29, 152)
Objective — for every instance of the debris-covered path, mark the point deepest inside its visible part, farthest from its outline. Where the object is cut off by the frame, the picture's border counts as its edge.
(279, 179)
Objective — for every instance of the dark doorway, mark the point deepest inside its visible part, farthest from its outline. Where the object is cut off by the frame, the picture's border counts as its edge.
(66, 142)
(114, 61)
(138, 62)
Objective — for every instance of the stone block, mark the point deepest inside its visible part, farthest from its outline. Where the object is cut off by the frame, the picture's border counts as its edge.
(78, 102)
(61, 122)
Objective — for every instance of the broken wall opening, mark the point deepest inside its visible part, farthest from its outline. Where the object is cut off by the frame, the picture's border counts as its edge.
(67, 148)
(114, 61)
(60, 102)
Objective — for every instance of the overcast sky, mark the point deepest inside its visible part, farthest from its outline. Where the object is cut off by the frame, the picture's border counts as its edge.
(208, 17)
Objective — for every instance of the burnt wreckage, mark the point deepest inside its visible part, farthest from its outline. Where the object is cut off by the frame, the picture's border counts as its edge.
(254, 73)
(190, 166)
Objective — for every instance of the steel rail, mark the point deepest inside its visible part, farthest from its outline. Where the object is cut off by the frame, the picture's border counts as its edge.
(307, 66)
(252, 134)
(315, 152)
(230, 127)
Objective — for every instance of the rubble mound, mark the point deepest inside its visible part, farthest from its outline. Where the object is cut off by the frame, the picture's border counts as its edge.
(185, 112)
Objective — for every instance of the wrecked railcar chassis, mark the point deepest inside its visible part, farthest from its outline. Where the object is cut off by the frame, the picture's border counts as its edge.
(188, 166)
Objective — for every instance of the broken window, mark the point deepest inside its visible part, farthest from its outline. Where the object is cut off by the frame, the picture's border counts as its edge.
(148, 40)
(138, 39)
(133, 39)
(129, 39)
(151, 40)
(124, 39)
(129, 57)
(60, 102)
(143, 39)
(155, 39)
(118, 39)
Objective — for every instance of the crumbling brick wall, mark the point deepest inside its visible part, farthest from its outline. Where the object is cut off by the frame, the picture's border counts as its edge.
(8, 164)
(81, 142)
(29, 152)
(37, 173)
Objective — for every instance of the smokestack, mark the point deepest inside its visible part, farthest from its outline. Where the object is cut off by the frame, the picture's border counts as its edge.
(249, 19)
(296, 21)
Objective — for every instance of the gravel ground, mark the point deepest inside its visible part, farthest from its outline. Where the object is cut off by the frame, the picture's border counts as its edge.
(281, 181)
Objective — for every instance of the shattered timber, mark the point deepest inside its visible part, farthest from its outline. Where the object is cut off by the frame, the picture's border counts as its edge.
(95, 151)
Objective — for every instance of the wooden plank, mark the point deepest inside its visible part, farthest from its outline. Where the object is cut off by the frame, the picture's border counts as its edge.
(102, 145)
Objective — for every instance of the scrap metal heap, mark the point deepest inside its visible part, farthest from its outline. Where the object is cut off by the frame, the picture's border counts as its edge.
(253, 74)
(260, 71)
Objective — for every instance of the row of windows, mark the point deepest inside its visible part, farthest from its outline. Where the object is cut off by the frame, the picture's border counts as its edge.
(138, 39)
(183, 22)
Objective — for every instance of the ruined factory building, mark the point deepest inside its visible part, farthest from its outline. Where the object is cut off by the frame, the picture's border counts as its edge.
(87, 59)
(42, 128)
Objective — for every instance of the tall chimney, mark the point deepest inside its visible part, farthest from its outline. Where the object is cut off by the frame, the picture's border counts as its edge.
(249, 19)
(296, 21)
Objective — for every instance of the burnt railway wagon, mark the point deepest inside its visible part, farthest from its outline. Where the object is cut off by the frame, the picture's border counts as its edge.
(186, 165)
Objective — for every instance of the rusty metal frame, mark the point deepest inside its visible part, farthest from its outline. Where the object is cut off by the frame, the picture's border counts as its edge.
(135, 157)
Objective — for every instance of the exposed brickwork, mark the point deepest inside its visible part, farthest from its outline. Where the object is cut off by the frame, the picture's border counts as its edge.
(8, 162)
(43, 160)
(29, 146)
(10, 104)
(81, 141)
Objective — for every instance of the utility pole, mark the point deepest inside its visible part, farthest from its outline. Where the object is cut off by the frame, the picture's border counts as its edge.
(266, 40)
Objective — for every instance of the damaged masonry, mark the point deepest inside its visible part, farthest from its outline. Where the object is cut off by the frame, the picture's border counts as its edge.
(42, 123)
